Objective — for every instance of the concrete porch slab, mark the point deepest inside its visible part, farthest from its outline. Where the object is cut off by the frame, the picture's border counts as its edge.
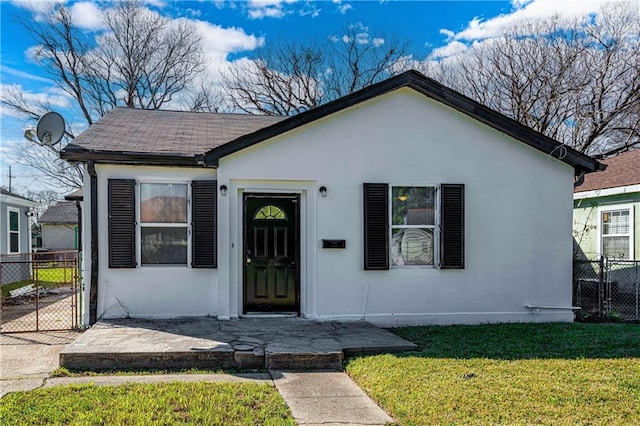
(246, 343)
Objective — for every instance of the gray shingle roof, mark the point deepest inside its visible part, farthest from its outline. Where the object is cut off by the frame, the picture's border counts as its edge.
(179, 133)
(60, 213)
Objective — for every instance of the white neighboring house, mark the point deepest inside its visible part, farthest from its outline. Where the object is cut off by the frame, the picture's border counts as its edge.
(402, 203)
(60, 226)
(15, 234)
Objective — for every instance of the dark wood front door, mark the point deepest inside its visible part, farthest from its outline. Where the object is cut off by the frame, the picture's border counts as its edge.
(271, 253)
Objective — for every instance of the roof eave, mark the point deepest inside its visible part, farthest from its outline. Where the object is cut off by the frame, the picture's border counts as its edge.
(131, 158)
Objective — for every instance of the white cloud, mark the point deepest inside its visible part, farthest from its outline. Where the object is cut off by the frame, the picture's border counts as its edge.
(447, 33)
(524, 10)
(52, 96)
(160, 4)
(259, 9)
(38, 6)
(378, 41)
(450, 49)
(87, 15)
(478, 30)
(266, 12)
(23, 75)
(219, 42)
(344, 8)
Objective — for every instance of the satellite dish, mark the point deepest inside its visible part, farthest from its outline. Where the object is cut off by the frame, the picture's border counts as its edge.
(50, 128)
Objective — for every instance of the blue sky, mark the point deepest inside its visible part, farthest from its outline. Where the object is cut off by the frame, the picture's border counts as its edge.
(232, 30)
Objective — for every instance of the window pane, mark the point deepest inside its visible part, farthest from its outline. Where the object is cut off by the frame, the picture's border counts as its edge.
(13, 242)
(166, 246)
(615, 222)
(163, 203)
(412, 205)
(412, 247)
(14, 221)
(616, 247)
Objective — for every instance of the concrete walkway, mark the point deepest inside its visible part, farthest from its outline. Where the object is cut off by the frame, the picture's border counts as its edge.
(314, 397)
(327, 398)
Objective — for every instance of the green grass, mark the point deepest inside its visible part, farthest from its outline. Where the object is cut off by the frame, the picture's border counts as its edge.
(48, 278)
(65, 372)
(141, 404)
(509, 373)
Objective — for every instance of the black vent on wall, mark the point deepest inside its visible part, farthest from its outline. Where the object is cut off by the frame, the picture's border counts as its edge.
(122, 223)
(376, 226)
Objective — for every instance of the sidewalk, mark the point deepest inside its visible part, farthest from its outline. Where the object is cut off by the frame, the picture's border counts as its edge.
(27, 359)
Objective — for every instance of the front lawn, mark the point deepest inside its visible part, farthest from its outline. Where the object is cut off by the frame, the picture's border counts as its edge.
(509, 374)
(162, 403)
(47, 278)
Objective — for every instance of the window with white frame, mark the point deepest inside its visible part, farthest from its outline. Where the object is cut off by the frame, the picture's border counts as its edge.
(616, 233)
(163, 224)
(413, 224)
(13, 216)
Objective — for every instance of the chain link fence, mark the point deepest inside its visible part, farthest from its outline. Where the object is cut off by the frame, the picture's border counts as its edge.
(39, 292)
(607, 288)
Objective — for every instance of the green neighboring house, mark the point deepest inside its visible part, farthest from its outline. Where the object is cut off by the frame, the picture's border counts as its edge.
(605, 210)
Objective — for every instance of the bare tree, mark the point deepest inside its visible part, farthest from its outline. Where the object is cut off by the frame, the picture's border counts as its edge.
(577, 82)
(141, 60)
(293, 77)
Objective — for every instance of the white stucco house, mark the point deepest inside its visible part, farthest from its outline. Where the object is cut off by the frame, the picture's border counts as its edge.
(402, 203)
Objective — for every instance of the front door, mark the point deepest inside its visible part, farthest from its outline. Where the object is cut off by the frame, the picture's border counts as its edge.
(271, 253)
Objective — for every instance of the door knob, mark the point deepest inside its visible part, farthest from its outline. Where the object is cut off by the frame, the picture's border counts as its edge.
(248, 260)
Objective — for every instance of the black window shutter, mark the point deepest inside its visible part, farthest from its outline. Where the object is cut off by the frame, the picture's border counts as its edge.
(122, 223)
(203, 223)
(452, 226)
(376, 226)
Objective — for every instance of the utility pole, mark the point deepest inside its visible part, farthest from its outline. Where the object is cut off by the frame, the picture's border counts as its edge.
(10, 176)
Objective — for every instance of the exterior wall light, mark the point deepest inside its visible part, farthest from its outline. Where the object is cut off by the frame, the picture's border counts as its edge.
(223, 190)
(30, 212)
(323, 191)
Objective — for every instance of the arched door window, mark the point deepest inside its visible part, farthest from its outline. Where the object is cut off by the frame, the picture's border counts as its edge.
(270, 212)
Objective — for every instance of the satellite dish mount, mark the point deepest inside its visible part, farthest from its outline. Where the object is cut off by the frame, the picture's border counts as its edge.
(50, 128)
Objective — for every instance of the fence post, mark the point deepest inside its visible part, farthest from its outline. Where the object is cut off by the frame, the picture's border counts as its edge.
(637, 285)
(36, 278)
(601, 295)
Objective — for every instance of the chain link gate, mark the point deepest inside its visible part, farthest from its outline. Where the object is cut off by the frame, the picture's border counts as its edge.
(607, 288)
(39, 292)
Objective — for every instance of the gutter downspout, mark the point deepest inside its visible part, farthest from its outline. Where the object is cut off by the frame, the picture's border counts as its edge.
(93, 285)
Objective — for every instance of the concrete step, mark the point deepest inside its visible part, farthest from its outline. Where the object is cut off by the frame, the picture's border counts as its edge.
(278, 343)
